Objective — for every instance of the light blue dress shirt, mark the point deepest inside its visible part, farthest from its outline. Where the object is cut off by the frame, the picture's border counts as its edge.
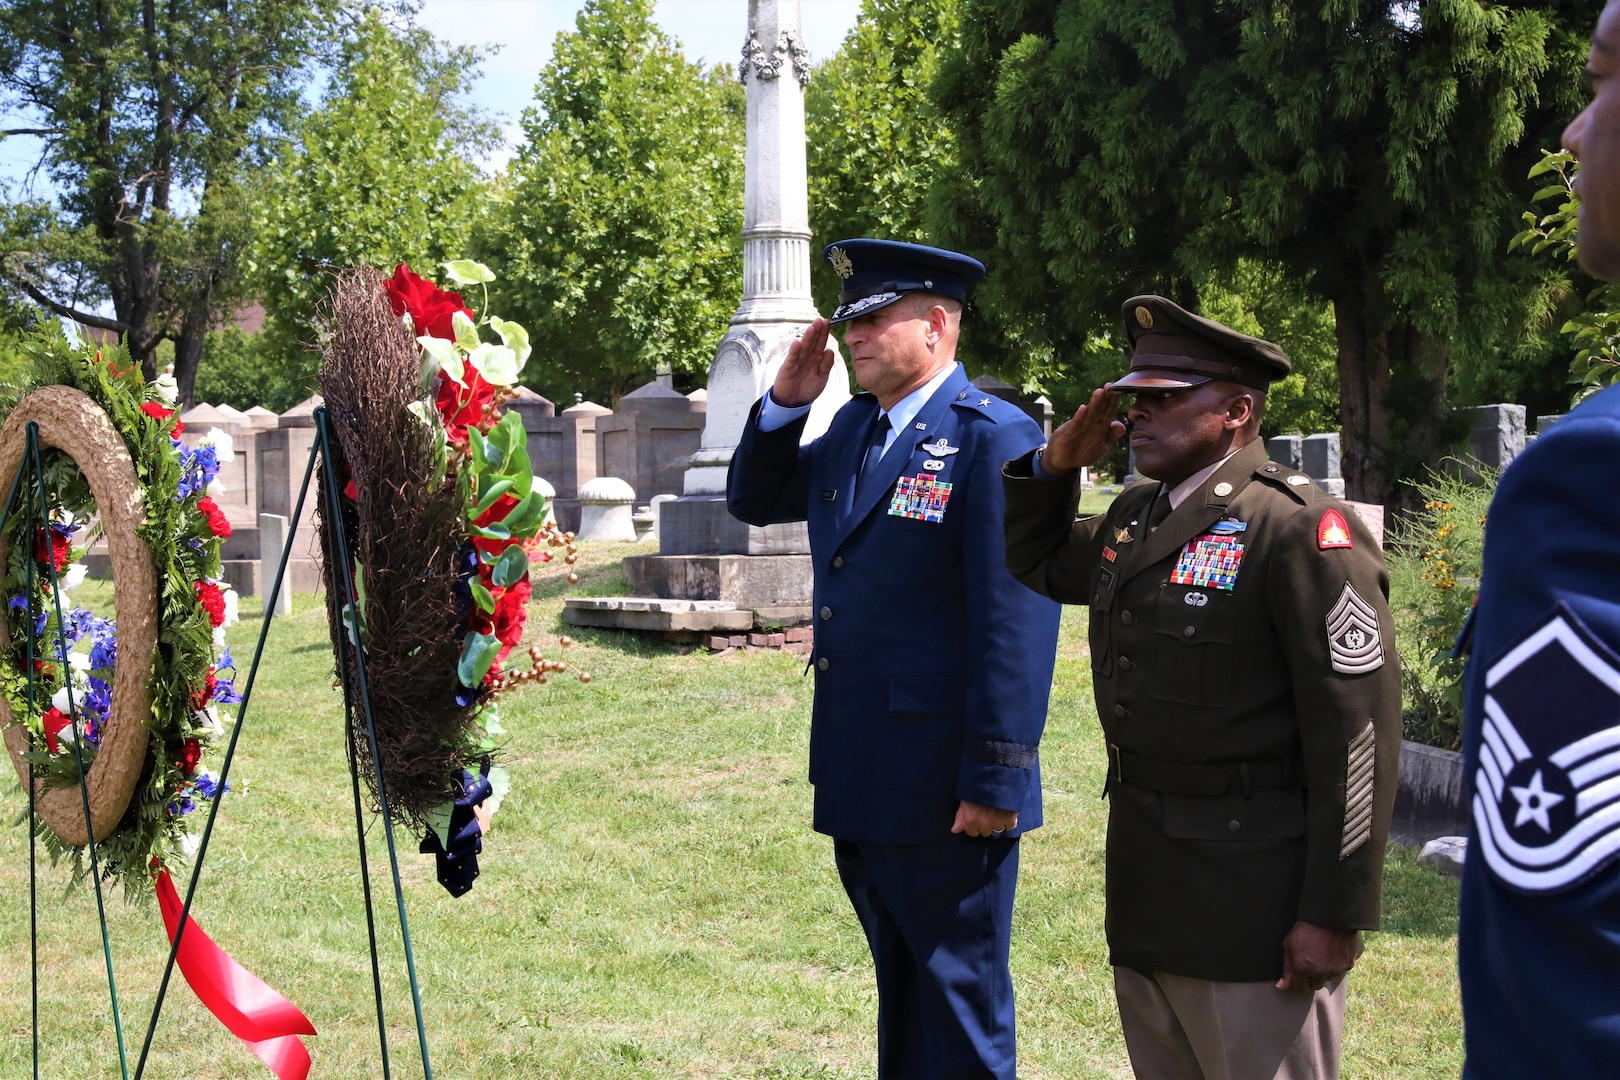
(773, 416)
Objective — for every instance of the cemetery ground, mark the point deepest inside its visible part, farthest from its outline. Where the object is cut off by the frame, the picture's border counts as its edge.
(653, 903)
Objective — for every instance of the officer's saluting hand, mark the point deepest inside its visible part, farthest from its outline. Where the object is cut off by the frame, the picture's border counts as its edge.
(1243, 659)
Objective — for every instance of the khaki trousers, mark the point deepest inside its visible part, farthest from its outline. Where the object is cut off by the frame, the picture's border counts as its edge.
(1177, 1028)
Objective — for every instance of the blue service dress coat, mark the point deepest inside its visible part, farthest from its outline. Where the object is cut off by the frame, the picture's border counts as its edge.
(932, 664)
(1539, 922)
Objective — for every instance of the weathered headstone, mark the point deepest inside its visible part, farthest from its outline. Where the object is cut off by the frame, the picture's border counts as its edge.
(1498, 434)
(648, 440)
(272, 542)
(1285, 450)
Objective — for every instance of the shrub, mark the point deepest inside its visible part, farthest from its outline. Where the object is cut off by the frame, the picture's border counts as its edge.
(1434, 565)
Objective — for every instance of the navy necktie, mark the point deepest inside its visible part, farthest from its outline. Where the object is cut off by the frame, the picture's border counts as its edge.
(874, 449)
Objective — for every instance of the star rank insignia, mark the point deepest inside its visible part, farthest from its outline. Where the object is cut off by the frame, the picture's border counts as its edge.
(1547, 784)
(984, 403)
(1332, 531)
(1123, 536)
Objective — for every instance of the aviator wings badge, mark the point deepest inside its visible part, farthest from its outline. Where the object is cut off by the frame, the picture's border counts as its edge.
(940, 448)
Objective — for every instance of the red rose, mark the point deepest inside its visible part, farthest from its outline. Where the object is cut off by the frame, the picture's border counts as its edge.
(213, 602)
(190, 754)
(431, 308)
(496, 513)
(54, 720)
(156, 411)
(462, 407)
(511, 611)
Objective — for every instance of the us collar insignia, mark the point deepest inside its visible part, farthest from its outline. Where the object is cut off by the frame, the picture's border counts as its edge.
(1543, 805)
(1332, 531)
(840, 263)
(940, 447)
(1123, 536)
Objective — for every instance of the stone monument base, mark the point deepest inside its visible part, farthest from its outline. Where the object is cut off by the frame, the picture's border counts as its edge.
(701, 525)
(756, 582)
(672, 620)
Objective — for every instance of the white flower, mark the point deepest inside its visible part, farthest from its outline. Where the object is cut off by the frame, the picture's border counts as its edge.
(74, 577)
(167, 388)
(59, 700)
(224, 446)
(189, 843)
(219, 638)
(79, 661)
(216, 487)
(232, 606)
(208, 721)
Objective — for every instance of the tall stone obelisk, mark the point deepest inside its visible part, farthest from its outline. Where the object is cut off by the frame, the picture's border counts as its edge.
(776, 304)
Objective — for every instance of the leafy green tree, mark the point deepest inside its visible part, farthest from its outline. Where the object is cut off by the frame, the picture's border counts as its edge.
(1374, 151)
(876, 139)
(377, 174)
(618, 237)
(149, 117)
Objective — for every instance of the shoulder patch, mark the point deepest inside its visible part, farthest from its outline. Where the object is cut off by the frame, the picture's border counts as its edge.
(1332, 531)
(1354, 642)
(1545, 785)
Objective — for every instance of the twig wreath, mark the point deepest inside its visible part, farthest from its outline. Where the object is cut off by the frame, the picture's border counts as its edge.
(137, 704)
(442, 520)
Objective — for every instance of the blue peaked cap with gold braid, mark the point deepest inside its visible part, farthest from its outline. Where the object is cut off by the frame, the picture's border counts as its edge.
(876, 273)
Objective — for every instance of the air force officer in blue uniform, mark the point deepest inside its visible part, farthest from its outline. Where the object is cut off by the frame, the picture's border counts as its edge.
(1538, 945)
(932, 664)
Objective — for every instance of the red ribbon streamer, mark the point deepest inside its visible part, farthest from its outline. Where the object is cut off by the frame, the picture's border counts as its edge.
(253, 1011)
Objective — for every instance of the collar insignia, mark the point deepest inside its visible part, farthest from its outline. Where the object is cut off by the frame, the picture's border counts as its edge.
(1545, 793)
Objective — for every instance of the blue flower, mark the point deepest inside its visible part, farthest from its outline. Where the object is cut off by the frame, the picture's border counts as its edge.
(225, 692)
(225, 662)
(209, 788)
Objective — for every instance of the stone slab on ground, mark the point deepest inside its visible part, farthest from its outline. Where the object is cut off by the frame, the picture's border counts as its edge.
(676, 620)
(1445, 854)
(758, 582)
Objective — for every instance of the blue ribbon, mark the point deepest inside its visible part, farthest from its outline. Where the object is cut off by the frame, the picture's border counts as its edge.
(458, 865)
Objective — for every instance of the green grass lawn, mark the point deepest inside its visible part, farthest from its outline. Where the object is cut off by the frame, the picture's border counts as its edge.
(653, 903)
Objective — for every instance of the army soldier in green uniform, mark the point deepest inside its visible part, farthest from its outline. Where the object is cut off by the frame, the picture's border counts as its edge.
(1246, 677)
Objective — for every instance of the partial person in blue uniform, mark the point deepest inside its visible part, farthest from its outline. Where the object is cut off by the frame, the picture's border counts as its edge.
(932, 664)
(1538, 946)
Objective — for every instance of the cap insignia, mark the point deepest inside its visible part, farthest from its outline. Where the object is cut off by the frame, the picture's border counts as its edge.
(840, 262)
(1144, 318)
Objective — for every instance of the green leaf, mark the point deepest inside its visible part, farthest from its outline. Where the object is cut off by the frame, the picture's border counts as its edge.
(484, 598)
(466, 333)
(510, 567)
(496, 490)
(514, 337)
(478, 652)
(496, 363)
(467, 272)
(444, 356)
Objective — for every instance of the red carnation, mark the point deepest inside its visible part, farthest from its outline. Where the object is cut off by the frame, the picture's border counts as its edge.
(54, 720)
(190, 754)
(201, 698)
(156, 411)
(213, 602)
(218, 524)
(431, 308)
(52, 548)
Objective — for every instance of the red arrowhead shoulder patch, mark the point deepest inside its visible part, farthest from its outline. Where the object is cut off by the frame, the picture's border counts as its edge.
(1332, 531)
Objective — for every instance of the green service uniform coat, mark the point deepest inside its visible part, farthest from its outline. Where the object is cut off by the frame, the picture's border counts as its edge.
(1244, 662)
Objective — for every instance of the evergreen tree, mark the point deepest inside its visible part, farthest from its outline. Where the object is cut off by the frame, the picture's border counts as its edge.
(617, 241)
(1375, 151)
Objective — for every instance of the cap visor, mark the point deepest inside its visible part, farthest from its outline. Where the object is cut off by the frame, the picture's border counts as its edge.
(856, 308)
(1157, 379)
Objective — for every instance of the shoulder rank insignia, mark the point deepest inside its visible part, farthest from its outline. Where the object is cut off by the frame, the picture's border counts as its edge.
(984, 403)
(1353, 638)
(940, 448)
(1548, 777)
(1332, 531)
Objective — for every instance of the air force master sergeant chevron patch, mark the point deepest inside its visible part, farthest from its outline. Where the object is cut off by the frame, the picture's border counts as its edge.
(1547, 790)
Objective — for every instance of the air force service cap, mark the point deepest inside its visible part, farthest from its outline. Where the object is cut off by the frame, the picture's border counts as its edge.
(876, 273)
(1173, 348)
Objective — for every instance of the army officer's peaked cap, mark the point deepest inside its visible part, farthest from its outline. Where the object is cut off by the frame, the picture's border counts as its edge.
(876, 273)
(1174, 348)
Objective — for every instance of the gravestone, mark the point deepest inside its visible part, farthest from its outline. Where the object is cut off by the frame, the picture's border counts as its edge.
(1286, 450)
(1319, 459)
(1036, 406)
(1498, 434)
(648, 440)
